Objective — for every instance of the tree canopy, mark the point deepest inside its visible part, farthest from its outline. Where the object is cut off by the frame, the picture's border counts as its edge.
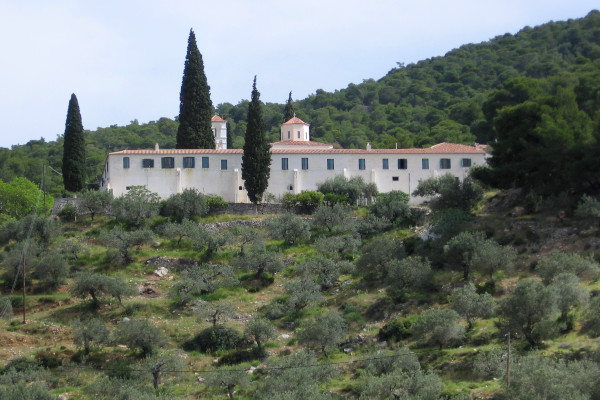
(74, 162)
(195, 106)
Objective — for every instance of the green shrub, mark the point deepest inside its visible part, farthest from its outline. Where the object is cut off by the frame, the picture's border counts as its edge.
(48, 360)
(215, 203)
(214, 338)
(68, 213)
(397, 329)
(308, 201)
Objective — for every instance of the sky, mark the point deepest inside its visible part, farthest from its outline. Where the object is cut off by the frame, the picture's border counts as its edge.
(124, 58)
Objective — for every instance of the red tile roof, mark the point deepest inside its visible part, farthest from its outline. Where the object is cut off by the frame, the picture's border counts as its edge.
(441, 148)
(295, 120)
(216, 118)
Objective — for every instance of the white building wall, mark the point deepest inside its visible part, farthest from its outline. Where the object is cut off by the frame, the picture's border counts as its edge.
(228, 183)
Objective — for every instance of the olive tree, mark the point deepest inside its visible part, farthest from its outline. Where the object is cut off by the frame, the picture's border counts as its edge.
(199, 279)
(185, 205)
(290, 228)
(260, 330)
(557, 262)
(408, 274)
(260, 260)
(140, 334)
(227, 378)
(218, 311)
(471, 305)
(119, 243)
(324, 271)
(95, 201)
(90, 331)
(323, 332)
(438, 327)
(568, 293)
(334, 217)
(136, 206)
(528, 311)
(392, 205)
(449, 192)
(167, 363)
(95, 285)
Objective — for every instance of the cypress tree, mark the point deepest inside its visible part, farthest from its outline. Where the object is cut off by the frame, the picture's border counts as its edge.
(288, 111)
(229, 136)
(195, 107)
(256, 160)
(73, 166)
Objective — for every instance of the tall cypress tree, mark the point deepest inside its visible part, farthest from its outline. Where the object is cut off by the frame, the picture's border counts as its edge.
(288, 111)
(229, 136)
(195, 107)
(73, 166)
(256, 160)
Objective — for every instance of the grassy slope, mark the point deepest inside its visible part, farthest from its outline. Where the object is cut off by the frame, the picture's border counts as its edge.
(49, 316)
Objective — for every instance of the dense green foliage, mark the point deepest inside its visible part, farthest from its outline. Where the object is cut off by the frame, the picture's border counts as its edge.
(74, 162)
(195, 107)
(256, 160)
(438, 99)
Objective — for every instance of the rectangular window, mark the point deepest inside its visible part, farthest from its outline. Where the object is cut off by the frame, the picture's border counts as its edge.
(189, 162)
(465, 162)
(147, 163)
(125, 162)
(167, 162)
(386, 164)
(204, 162)
(284, 164)
(288, 134)
(223, 164)
(305, 163)
(330, 163)
(402, 163)
(425, 163)
(361, 163)
(298, 134)
(395, 178)
(445, 163)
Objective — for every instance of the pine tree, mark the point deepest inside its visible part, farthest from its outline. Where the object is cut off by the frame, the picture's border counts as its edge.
(195, 107)
(229, 136)
(257, 156)
(288, 111)
(73, 166)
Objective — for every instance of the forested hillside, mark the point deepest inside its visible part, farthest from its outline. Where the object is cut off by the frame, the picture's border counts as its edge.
(448, 98)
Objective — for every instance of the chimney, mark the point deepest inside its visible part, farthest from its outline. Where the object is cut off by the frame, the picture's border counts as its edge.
(156, 148)
(368, 146)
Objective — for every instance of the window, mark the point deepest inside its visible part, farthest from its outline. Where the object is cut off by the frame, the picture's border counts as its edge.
(147, 163)
(361, 163)
(125, 162)
(305, 163)
(330, 163)
(445, 163)
(465, 162)
(167, 162)
(204, 162)
(425, 163)
(223, 164)
(386, 163)
(189, 162)
(298, 134)
(395, 178)
(288, 134)
(402, 163)
(284, 164)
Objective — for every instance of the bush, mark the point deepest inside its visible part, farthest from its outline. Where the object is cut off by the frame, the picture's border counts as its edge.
(393, 206)
(215, 203)
(397, 329)
(289, 227)
(136, 207)
(215, 338)
(447, 191)
(185, 205)
(240, 356)
(48, 360)
(306, 201)
(142, 334)
(68, 213)
(351, 189)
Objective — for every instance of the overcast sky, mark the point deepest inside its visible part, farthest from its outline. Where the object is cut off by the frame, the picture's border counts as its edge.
(124, 58)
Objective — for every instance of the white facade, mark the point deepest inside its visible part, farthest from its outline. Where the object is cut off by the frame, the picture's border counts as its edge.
(218, 172)
(297, 164)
